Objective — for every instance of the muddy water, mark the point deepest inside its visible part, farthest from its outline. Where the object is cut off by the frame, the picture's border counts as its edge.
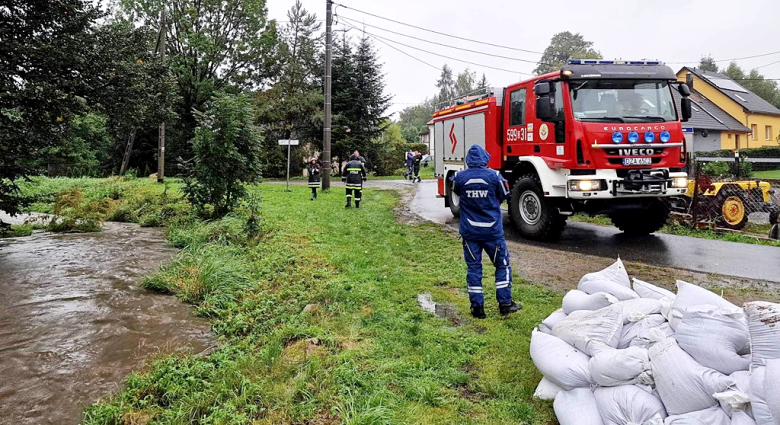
(74, 322)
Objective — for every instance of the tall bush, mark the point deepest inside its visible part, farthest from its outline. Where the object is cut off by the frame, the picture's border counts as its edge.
(227, 154)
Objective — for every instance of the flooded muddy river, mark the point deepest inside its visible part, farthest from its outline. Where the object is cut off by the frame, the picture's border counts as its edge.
(74, 320)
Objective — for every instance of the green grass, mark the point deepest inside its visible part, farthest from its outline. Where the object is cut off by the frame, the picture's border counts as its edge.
(681, 230)
(771, 174)
(363, 352)
(426, 173)
(18, 230)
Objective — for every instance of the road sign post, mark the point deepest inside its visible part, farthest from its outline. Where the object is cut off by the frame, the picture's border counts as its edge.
(288, 143)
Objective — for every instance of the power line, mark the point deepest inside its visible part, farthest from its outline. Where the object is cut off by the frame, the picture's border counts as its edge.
(407, 54)
(440, 33)
(734, 59)
(440, 44)
(769, 64)
(434, 53)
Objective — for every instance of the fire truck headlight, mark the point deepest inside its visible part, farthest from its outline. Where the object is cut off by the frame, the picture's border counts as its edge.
(649, 137)
(680, 182)
(584, 185)
(665, 136)
(633, 137)
(617, 137)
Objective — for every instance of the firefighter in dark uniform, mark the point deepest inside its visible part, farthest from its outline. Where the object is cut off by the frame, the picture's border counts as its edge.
(314, 177)
(416, 166)
(354, 176)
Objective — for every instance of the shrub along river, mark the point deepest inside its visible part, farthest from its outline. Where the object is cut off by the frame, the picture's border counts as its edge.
(74, 321)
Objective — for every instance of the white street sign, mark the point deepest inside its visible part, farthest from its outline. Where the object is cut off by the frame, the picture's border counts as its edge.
(288, 142)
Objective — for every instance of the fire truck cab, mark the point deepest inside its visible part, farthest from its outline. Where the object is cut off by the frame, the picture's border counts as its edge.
(600, 137)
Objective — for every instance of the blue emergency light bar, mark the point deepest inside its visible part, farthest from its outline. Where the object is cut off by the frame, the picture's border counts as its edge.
(605, 62)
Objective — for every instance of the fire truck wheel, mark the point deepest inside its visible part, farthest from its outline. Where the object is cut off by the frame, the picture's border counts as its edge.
(532, 214)
(453, 200)
(733, 211)
(642, 221)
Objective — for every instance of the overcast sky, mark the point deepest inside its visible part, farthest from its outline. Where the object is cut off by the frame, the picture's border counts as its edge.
(671, 31)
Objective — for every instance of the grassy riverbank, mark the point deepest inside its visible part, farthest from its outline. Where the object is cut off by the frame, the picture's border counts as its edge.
(318, 321)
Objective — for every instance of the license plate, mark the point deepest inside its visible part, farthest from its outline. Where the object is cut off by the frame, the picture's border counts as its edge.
(637, 161)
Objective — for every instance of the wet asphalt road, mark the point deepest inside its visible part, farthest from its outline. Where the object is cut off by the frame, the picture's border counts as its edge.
(682, 252)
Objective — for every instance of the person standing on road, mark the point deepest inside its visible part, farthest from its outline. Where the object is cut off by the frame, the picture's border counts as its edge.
(481, 191)
(354, 176)
(314, 177)
(416, 166)
(409, 164)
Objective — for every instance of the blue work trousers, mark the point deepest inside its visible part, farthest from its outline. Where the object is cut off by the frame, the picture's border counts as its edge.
(499, 255)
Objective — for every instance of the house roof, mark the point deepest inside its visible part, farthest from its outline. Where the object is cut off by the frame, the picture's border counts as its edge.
(708, 115)
(723, 83)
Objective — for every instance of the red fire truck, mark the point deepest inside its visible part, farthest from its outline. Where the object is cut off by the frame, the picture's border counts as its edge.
(599, 137)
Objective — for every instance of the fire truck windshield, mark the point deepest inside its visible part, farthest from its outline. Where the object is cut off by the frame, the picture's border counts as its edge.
(622, 101)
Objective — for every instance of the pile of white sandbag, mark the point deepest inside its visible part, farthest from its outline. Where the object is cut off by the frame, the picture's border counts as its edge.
(625, 354)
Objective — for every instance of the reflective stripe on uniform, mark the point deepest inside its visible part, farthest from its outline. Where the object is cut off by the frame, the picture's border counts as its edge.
(314, 185)
(354, 169)
(475, 181)
(475, 289)
(480, 224)
(358, 187)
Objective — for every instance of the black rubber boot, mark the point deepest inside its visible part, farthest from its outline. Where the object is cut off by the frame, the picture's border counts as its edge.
(349, 204)
(478, 311)
(506, 309)
(357, 204)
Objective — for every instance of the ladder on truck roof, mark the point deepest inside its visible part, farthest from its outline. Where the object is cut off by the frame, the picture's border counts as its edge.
(471, 96)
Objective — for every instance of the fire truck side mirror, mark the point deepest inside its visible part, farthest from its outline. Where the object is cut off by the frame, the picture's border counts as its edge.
(686, 109)
(684, 90)
(545, 110)
(542, 88)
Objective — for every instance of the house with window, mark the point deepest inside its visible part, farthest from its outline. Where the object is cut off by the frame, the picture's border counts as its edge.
(760, 117)
(712, 127)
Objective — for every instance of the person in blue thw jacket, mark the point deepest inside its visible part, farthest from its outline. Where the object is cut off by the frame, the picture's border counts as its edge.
(481, 191)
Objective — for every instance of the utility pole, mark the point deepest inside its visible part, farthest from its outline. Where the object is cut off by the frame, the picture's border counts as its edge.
(161, 137)
(326, 129)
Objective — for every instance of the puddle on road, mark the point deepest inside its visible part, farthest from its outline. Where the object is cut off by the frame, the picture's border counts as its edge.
(74, 322)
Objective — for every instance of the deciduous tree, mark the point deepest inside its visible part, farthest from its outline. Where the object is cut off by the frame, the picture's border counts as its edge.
(45, 81)
(563, 47)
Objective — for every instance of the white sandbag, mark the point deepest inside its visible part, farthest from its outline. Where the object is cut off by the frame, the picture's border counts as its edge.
(617, 290)
(615, 273)
(589, 330)
(547, 390)
(666, 307)
(689, 295)
(633, 331)
(684, 385)
(757, 393)
(764, 324)
(772, 388)
(559, 362)
(576, 300)
(646, 338)
(628, 404)
(577, 407)
(713, 337)
(742, 418)
(648, 290)
(742, 380)
(711, 416)
(733, 401)
(637, 309)
(554, 317)
(610, 368)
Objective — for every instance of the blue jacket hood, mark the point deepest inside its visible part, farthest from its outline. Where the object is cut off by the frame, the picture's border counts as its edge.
(477, 157)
